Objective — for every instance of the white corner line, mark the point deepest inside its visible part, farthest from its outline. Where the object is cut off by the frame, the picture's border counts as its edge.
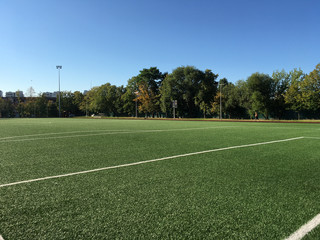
(1, 238)
(305, 229)
(146, 161)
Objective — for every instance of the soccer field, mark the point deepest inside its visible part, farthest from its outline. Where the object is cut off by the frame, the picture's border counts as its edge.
(141, 179)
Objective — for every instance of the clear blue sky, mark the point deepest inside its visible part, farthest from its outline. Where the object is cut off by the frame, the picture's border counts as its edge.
(99, 41)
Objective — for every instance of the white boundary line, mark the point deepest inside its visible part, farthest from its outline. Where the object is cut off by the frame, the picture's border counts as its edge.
(313, 137)
(9, 139)
(147, 161)
(1, 238)
(305, 229)
(59, 133)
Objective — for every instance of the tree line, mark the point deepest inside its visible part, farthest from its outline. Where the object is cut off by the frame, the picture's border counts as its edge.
(283, 95)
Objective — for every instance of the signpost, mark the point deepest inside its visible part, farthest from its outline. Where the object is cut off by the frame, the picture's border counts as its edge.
(174, 106)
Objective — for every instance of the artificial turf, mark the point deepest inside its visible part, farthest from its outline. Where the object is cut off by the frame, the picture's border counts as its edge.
(257, 192)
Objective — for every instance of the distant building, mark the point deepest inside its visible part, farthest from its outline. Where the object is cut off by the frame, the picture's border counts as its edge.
(85, 92)
(19, 94)
(1, 93)
(55, 94)
(10, 94)
(47, 94)
(14, 94)
(51, 94)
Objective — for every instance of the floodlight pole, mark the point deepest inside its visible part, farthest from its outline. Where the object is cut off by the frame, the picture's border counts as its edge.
(220, 102)
(59, 67)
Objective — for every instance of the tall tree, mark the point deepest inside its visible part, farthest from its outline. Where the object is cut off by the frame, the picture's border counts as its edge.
(30, 92)
(310, 88)
(293, 96)
(280, 85)
(41, 106)
(147, 99)
(128, 100)
(183, 85)
(220, 98)
(260, 87)
(150, 80)
(206, 92)
(78, 101)
(6, 108)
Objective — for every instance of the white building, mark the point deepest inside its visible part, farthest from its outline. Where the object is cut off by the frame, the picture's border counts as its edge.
(47, 94)
(10, 94)
(14, 94)
(1, 94)
(51, 94)
(19, 94)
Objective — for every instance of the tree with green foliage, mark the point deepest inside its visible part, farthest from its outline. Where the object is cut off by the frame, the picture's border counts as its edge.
(41, 109)
(220, 98)
(206, 92)
(7, 108)
(280, 85)
(147, 99)
(310, 88)
(67, 104)
(90, 102)
(128, 99)
(293, 96)
(77, 101)
(233, 108)
(149, 79)
(105, 99)
(188, 86)
(260, 87)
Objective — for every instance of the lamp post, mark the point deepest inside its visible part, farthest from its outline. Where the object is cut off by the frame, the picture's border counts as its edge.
(59, 67)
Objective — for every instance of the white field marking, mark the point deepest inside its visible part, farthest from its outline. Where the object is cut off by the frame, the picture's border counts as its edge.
(313, 137)
(1, 238)
(147, 161)
(2, 140)
(104, 130)
(58, 133)
(126, 131)
(305, 229)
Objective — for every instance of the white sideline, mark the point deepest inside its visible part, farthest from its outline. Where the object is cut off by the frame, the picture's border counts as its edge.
(147, 161)
(1, 238)
(305, 229)
(103, 132)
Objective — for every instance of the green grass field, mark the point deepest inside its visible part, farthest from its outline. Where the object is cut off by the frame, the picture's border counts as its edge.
(265, 191)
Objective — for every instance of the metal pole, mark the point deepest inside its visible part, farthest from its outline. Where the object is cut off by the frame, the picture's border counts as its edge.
(59, 67)
(220, 104)
(59, 96)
